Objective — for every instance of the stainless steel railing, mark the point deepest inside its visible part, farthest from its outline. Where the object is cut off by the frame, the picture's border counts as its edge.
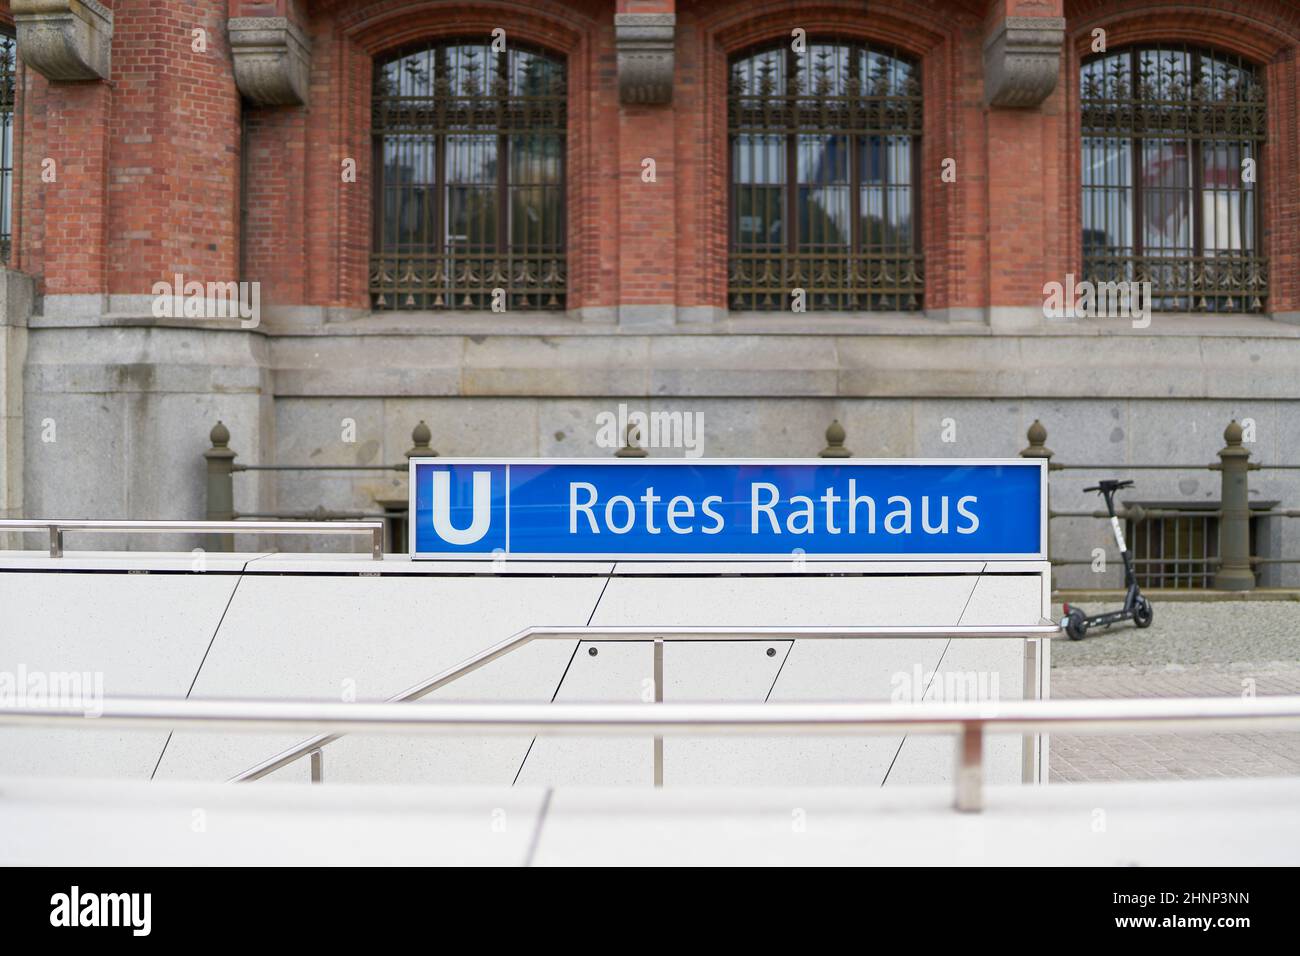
(1042, 630)
(969, 721)
(56, 528)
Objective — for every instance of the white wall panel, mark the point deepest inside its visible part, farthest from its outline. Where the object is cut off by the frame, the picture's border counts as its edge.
(785, 600)
(619, 671)
(971, 669)
(143, 634)
(718, 670)
(813, 670)
(866, 670)
(1000, 599)
(317, 637)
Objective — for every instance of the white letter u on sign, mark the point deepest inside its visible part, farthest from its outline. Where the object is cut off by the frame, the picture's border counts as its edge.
(478, 525)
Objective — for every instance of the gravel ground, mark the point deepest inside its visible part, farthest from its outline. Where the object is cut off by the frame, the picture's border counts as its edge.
(1190, 633)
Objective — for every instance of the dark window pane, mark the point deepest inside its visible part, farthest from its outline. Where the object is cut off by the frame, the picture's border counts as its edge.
(821, 193)
(536, 190)
(1169, 134)
(470, 196)
(1166, 212)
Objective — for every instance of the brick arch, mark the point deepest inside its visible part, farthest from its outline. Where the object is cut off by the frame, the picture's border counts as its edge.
(736, 27)
(348, 36)
(934, 38)
(1261, 36)
(382, 27)
(1270, 37)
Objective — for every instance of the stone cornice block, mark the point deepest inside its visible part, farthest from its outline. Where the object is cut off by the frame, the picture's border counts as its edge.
(1022, 57)
(272, 60)
(645, 57)
(65, 39)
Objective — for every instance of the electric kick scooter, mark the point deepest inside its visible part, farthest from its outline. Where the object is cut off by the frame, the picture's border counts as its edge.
(1076, 622)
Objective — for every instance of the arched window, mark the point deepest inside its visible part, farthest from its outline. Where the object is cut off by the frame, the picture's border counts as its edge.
(1171, 163)
(825, 144)
(469, 187)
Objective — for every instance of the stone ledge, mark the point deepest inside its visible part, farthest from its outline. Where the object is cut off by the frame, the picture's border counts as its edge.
(88, 310)
(272, 60)
(65, 40)
(1022, 58)
(785, 366)
(645, 57)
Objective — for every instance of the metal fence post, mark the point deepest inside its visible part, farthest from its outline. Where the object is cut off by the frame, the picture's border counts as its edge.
(659, 699)
(1037, 435)
(1235, 573)
(421, 436)
(835, 436)
(395, 522)
(221, 485)
(970, 768)
(630, 447)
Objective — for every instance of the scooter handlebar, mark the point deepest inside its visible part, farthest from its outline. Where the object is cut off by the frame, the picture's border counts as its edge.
(1110, 486)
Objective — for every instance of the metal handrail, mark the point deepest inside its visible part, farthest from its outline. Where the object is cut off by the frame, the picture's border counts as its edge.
(56, 527)
(1043, 629)
(968, 720)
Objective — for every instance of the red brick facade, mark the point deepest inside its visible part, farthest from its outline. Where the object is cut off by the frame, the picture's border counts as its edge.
(149, 165)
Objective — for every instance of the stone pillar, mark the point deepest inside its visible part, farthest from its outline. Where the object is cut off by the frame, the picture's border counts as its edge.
(1235, 573)
(76, 204)
(221, 485)
(69, 42)
(1037, 448)
(156, 153)
(1022, 61)
(272, 66)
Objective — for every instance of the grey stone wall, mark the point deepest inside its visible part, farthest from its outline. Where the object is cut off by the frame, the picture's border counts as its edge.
(116, 422)
(15, 308)
(1115, 432)
(132, 401)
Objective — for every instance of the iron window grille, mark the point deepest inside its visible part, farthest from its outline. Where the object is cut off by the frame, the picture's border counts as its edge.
(1171, 136)
(1179, 552)
(1182, 551)
(824, 148)
(469, 153)
(8, 70)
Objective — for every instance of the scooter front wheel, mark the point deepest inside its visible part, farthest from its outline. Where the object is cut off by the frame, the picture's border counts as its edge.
(1143, 613)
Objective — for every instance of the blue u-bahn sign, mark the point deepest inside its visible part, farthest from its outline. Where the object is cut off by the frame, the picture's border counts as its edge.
(688, 509)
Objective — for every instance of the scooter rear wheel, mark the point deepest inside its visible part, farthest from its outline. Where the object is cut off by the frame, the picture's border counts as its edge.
(1076, 625)
(1143, 613)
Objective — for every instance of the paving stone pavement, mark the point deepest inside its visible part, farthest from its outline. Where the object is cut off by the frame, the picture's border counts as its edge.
(1200, 651)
